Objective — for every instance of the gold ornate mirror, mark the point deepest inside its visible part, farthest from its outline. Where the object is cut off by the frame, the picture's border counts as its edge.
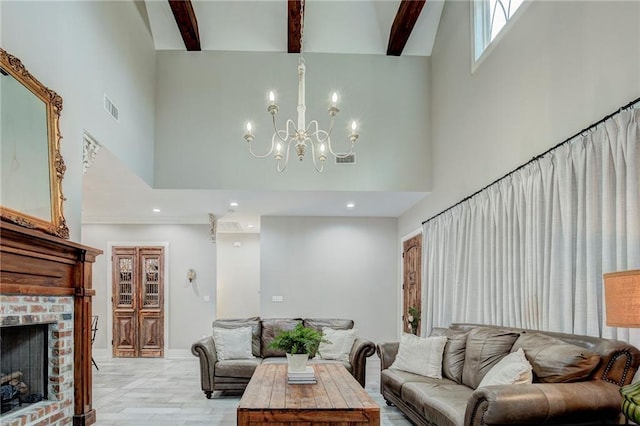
(31, 165)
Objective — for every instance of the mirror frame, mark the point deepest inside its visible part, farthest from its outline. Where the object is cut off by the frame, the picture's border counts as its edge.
(53, 102)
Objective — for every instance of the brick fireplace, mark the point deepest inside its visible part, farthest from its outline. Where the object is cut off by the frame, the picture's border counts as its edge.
(56, 314)
(47, 280)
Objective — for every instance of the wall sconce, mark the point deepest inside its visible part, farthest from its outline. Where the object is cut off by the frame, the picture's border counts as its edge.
(191, 275)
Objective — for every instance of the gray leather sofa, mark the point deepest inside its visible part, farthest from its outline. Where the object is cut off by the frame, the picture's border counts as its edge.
(577, 379)
(234, 374)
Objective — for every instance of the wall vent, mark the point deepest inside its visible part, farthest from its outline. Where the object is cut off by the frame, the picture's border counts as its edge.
(349, 159)
(229, 227)
(111, 108)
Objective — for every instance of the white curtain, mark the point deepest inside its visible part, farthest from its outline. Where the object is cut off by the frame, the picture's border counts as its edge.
(530, 250)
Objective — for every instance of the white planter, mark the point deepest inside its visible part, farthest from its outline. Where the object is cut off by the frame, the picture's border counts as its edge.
(297, 362)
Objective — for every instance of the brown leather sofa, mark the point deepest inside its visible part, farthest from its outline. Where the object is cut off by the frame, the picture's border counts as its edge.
(234, 374)
(577, 379)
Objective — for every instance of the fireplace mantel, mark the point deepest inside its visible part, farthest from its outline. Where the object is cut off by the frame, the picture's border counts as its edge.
(34, 263)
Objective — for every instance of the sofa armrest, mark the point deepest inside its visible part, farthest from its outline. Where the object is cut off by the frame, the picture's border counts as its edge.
(205, 349)
(360, 351)
(387, 352)
(549, 403)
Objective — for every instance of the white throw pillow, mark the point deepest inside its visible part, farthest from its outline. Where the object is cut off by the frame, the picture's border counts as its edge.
(341, 342)
(232, 343)
(420, 355)
(513, 369)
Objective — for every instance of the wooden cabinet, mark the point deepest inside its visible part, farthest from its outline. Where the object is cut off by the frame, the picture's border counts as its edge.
(138, 301)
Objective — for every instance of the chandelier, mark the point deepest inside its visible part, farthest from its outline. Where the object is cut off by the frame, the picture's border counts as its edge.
(301, 136)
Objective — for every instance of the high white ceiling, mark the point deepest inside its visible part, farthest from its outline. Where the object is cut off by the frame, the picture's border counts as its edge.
(330, 26)
(113, 194)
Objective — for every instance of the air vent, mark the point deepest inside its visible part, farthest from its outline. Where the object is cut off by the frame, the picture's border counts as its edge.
(229, 227)
(111, 108)
(349, 159)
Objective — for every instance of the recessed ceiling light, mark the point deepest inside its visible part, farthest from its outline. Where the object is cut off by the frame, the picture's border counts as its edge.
(156, 210)
(350, 205)
(233, 204)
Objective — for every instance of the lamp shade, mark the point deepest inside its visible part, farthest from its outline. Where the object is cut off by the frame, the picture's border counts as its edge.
(622, 298)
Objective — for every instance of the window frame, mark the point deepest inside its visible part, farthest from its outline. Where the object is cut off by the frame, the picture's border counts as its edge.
(478, 6)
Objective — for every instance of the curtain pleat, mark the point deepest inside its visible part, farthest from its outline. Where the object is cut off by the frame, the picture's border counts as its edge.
(530, 250)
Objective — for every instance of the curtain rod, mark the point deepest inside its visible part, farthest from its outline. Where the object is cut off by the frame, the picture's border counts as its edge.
(586, 129)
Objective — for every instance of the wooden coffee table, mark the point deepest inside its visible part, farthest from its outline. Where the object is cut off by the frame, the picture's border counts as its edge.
(337, 398)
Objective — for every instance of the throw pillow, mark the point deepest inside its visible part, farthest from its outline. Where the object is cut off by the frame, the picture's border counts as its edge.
(513, 369)
(485, 347)
(453, 355)
(253, 322)
(555, 361)
(339, 346)
(232, 343)
(420, 355)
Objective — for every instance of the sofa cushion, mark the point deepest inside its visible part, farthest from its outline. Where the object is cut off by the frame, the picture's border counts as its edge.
(271, 327)
(253, 322)
(513, 369)
(237, 367)
(232, 343)
(485, 347)
(339, 346)
(395, 379)
(319, 323)
(420, 355)
(555, 361)
(453, 355)
(443, 403)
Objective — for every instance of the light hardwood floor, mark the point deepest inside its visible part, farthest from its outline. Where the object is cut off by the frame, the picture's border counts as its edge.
(166, 392)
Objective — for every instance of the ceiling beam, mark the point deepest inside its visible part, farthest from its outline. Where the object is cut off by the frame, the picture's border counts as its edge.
(187, 23)
(406, 18)
(294, 29)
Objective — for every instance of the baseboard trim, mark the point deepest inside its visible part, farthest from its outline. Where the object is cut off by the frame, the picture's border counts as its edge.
(178, 353)
(169, 353)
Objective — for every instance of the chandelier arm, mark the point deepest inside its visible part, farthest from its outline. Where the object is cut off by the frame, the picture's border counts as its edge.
(286, 158)
(314, 123)
(336, 154)
(313, 157)
(261, 155)
(327, 138)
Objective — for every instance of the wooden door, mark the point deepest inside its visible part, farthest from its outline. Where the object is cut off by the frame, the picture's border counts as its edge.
(412, 282)
(138, 301)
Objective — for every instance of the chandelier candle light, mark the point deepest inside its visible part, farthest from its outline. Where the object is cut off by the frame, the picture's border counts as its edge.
(301, 136)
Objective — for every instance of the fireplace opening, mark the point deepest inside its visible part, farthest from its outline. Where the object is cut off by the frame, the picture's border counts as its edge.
(23, 365)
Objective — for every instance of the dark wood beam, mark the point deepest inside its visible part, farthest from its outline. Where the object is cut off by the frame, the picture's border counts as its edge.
(293, 13)
(187, 23)
(406, 18)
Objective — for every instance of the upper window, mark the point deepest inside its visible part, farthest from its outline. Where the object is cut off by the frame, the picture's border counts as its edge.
(490, 16)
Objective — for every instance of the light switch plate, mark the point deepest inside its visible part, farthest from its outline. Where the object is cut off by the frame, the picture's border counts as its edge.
(277, 299)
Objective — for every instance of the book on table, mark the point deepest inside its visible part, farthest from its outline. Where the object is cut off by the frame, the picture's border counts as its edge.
(306, 376)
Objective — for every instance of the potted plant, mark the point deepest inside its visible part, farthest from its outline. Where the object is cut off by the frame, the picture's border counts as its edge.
(413, 318)
(298, 343)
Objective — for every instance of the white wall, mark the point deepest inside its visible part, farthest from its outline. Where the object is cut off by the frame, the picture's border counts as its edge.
(332, 267)
(559, 68)
(238, 283)
(189, 317)
(204, 99)
(83, 50)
